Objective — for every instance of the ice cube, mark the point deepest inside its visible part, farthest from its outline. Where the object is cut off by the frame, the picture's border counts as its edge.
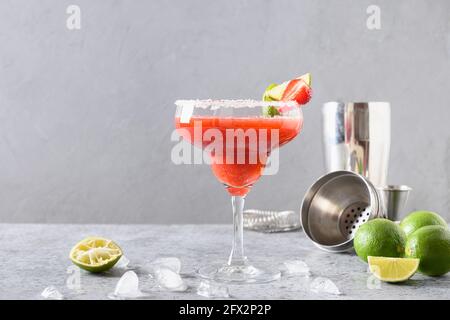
(324, 285)
(122, 263)
(169, 279)
(212, 290)
(297, 267)
(52, 293)
(171, 263)
(128, 286)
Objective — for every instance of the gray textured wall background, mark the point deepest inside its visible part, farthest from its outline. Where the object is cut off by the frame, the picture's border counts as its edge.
(86, 116)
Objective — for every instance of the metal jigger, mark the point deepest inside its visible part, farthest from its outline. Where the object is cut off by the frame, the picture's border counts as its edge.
(393, 199)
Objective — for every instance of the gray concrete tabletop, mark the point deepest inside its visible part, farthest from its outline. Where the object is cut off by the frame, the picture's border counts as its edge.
(34, 256)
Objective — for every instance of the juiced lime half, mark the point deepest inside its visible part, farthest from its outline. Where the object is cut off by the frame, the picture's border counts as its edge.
(393, 269)
(95, 254)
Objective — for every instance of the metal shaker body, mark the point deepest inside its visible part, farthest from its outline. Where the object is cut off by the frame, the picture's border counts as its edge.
(357, 138)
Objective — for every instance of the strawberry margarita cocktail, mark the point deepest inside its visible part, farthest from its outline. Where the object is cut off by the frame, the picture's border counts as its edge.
(240, 139)
(243, 145)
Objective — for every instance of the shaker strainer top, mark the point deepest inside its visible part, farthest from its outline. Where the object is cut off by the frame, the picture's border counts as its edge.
(352, 217)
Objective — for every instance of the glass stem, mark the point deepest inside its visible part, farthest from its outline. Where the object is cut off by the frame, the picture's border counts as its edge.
(237, 252)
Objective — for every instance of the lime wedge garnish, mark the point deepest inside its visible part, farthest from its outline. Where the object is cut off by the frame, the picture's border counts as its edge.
(393, 269)
(95, 254)
(266, 96)
(307, 78)
(270, 111)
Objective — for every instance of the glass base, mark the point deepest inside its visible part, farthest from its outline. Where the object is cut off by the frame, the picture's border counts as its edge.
(239, 273)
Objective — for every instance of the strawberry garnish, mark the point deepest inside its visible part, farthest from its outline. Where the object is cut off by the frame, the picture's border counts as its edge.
(297, 90)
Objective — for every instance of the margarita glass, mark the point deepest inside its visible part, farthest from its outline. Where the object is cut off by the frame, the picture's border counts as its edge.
(238, 136)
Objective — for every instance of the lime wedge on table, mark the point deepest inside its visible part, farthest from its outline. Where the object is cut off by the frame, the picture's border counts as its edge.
(393, 269)
(95, 254)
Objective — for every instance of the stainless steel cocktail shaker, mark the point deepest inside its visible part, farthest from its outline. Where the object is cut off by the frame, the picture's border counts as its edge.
(357, 138)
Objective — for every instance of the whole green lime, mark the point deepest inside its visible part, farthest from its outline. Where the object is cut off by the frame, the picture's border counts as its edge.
(418, 219)
(430, 244)
(379, 238)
